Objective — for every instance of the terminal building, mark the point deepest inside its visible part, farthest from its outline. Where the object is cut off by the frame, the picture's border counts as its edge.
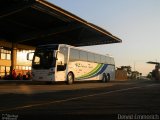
(25, 24)
(22, 65)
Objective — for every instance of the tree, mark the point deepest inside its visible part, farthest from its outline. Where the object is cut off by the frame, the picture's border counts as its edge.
(126, 68)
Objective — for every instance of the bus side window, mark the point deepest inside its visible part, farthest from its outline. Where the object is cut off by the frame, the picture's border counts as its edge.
(97, 58)
(91, 57)
(103, 59)
(61, 67)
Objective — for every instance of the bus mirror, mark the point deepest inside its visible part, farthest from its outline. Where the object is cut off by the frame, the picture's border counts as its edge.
(30, 56)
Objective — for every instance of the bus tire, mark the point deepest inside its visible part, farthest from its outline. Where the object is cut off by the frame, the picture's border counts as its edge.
(104, 78)
(70, 78)
(108, 77)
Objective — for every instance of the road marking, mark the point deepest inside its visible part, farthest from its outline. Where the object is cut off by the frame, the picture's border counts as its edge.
(75, 98)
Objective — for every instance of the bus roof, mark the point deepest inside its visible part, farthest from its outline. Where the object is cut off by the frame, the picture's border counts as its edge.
(70, 46)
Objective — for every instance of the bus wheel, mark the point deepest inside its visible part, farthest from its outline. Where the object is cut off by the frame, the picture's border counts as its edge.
(70, 78)
(108, 77)
(104, 78)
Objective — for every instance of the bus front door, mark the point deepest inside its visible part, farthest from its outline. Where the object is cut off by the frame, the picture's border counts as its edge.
(61, 68)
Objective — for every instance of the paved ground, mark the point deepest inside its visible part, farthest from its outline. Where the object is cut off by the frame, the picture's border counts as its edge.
(133, 99)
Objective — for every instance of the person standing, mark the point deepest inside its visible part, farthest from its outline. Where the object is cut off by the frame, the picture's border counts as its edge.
(14, 75)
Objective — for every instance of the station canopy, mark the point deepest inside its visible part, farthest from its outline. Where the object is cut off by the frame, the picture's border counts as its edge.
(37, 22)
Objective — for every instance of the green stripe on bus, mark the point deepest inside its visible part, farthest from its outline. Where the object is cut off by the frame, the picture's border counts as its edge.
(92, 72)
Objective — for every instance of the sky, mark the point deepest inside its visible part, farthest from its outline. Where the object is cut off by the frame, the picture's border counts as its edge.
(135, 22)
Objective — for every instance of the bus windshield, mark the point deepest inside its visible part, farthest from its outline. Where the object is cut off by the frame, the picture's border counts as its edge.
(44, 58)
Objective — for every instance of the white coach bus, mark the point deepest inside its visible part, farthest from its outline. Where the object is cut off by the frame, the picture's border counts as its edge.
(60, 62)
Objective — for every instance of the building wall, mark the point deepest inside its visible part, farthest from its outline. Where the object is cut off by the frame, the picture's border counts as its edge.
(121, 75)
(5, 62)
(21, 64)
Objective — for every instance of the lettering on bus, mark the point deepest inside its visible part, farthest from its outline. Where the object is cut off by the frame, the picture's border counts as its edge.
(80, 65)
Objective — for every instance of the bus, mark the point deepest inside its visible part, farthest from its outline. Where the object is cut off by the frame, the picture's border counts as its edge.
(61, 62)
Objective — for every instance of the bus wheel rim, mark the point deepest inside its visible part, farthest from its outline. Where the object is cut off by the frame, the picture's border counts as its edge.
(70, 78)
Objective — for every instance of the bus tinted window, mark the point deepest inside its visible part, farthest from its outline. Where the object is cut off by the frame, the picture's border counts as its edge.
(74, 54)
(43, 59)
(97, 58)
(64, 51)
(108, 60)
(103, 59)
(83, 55)
(91, 57)
(112, 61)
